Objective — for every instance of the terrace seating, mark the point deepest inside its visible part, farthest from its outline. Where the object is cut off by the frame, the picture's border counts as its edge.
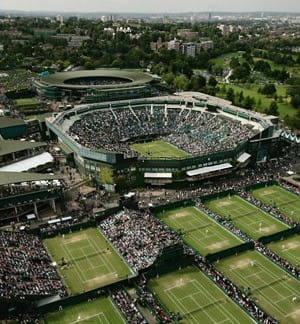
(194, 132)
(26, 269)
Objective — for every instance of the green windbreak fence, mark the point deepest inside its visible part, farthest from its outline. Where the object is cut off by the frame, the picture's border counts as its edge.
(231, 251)
(261, 185)
(222, 194)
(173, 205)
(279, 236)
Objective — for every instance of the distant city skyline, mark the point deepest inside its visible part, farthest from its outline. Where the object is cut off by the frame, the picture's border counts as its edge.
(153, 6)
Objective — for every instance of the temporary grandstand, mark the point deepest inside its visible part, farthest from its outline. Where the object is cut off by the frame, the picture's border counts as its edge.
(189, 137)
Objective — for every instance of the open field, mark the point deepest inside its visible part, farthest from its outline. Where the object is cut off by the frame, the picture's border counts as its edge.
(200, 232)
(273, 289)
(196, 298)
(284, 108)
(158, 149)
(288, 249)
(91, 260)
(101, 310)
(250, 219)
(287, 202)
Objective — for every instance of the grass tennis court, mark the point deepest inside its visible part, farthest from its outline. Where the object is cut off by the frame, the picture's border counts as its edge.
(200, 231)
(158, 149)
(287, 202)
(196, 298)
(288, 249)
(250, 219)
(91, 260)
(100, 310)
(26, 102)
(274, 290)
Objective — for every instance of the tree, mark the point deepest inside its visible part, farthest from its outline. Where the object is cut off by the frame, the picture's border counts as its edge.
(269, 89)
(212, 82)
(230, 95)
(181, 82)
(273, 109)
(295, 101)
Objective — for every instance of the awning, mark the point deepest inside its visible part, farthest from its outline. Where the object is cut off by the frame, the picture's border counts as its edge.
(29, 163)
(156, 175)
(214, 168)
(244, 157)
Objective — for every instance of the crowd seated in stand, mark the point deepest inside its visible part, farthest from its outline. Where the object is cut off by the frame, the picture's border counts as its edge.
(138, 236)
(26, 269)
(197, 133)
(146, 297)
(127, 307)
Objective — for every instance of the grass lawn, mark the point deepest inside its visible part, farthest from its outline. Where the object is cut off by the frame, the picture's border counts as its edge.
(200, 231)
(288, 249)
(250, 219)
(159, 149)
(91, 260)
(197, 299)
(100, 310)
(284, 108)
(287, 202)
(271, 287)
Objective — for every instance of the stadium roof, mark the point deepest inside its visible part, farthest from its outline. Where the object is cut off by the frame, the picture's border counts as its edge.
(29, 163)
(10, 122)
(11, 146)
(158, 175)
(209, 169)
(134, 78)
(7, 178)
(244, 157)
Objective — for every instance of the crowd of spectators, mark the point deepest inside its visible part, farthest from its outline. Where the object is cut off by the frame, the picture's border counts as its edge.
(128, 307)
(147, 298)
(196, 133)
(26, 269)
(241, 297)
(138, 236)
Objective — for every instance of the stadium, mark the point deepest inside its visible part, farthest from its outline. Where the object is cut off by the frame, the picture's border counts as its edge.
(221, 250)
(163, 140)
(96, 85)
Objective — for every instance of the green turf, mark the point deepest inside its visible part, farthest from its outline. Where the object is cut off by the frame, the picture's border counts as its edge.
(284, 108)
(92, 261)
(200, 231)
(271, 286)
(101, 310)
(288, 249)
(196, 298)
(287, 202)
(250, 219)
(159, 149)
(26, 102)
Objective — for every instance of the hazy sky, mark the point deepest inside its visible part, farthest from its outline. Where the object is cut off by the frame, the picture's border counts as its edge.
(159, 6)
